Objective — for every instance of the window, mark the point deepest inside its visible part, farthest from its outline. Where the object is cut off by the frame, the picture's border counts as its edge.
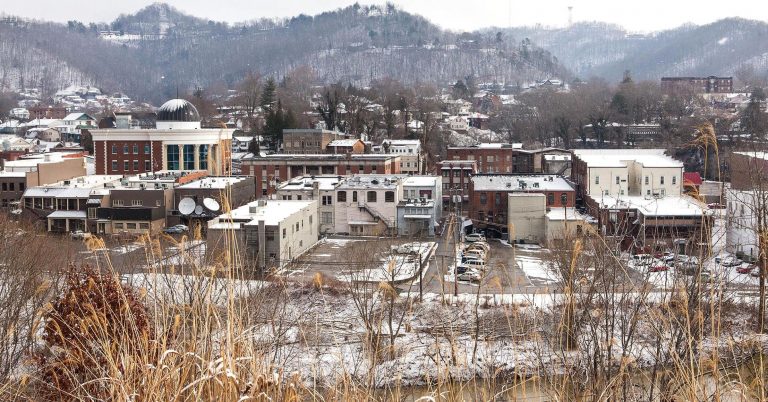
(135, 148)
(456, 173)
(144, 226)
(5, 186)
(550, 198)
(118, 225)
(497, 198)
(674, 179)
(605, 192)
(445, 173)
(617, 179)
(597, 179)
(114, 166)
(147, 166)
(137, 203)
(297, 226)
(130, 226)
(21, 186)
(147, 149)
(135, 165)
(189, 157)
(310, 220)
(361, 168)
(125, 166)
(622, 191)
(389, 196)
(327, 200)
(648, 192)
(354, 196)
(341, 196)
(646, 180)
(117, 203)
(172, 155)
(125, 148)
(285, 233)
(445, 186)
(114, 149)
(483, 198)
(371, 197)
(326, 218)
(661, 180)
(91, 213)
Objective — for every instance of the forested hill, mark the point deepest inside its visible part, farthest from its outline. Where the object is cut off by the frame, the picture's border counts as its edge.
(171, 51)
(725, 47)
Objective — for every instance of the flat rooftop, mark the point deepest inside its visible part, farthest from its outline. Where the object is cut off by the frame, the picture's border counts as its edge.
(421, 181)
(272, 213)
(325, 183)
(675, 206)
(621, 157)
(520, 183)
(370, 181)
(214, 182)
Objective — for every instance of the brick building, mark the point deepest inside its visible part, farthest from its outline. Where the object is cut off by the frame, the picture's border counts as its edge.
(270, 170)
(489, 194)
(456, 176)
(308, 141)
(177, 144)
(495, 158)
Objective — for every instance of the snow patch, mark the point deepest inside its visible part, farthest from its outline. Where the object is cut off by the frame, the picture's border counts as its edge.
(723, 40)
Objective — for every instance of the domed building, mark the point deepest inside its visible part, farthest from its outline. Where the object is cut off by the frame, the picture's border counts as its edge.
(176, 143)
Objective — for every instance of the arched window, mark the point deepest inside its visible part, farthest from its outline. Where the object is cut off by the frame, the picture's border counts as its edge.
(371, 196)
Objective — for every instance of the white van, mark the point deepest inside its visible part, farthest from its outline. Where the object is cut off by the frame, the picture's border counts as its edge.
(474, 264)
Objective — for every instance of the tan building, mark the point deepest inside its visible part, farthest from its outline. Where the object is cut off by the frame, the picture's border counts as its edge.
(25, 173)
(308, 141)
(525, 220)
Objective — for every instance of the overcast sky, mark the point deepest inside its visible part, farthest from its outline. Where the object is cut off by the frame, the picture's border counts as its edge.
(457, 15)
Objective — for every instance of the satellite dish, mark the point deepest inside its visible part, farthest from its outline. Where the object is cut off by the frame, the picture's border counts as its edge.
(186, 206)
(211, 204)
(198, 210)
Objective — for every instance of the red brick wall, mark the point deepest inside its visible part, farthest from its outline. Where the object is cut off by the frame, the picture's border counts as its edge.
(121, 157)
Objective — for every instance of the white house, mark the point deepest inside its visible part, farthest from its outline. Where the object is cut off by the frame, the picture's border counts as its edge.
(411, 158)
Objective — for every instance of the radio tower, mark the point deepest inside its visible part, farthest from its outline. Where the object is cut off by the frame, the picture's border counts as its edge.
(570, 16)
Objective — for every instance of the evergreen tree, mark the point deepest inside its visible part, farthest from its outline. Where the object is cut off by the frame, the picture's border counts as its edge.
(753, 119)
(268, 95)
(253, 146)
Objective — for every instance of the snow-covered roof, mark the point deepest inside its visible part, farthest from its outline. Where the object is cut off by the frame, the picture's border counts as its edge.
(555, 157)
(402, 143)
(325, 183)
(75, 116)
(421, 181)
(620, 157)
(67, 215)
(756, 154)
(369, 181)
(520, 183)
(649, 206)
(561, 214)
(272, 213)
(343, 143)
(214, 182)
(78, 187)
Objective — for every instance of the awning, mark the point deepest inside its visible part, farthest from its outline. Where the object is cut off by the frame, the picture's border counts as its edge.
(417, 216)
(67, 215)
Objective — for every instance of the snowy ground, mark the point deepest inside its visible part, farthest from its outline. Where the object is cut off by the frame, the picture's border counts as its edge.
(537, 270)
(395, 267)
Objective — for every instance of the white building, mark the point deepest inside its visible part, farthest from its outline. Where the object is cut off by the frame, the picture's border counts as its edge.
(741, 236)
(319, 188)
(427, 188)
(271, 232)
(628, 172)
(411, 158)
(366, 205)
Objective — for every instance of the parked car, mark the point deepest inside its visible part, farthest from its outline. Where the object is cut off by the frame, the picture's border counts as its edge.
(473, 237)
(461, 269)
(176, 229)
(658, 268)
(745, 269)
(471, 276)
(475, 252)
(474, 264)
(480, 245)
(715, 205)
(755, 273)
(79, 235)
(731, 261)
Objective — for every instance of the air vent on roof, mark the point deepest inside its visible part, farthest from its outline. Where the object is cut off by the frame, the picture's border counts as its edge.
(375, 181)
